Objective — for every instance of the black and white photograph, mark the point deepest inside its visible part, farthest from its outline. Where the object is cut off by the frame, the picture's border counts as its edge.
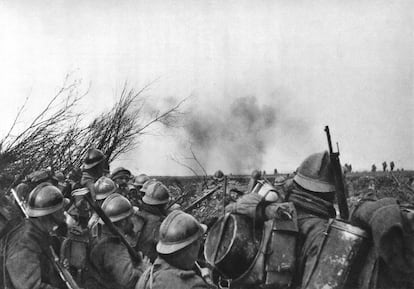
(206, 144)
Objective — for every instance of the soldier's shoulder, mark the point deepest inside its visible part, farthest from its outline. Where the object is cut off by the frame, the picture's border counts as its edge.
(149, 216)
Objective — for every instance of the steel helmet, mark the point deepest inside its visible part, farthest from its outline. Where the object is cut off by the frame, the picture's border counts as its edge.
(45, 199)
(104, 186)
(156, 194)
(177, 231)
(117, 208)
(140, 180)
(315, 174)
(145, 186)
(218, 175)
(120, 172)
(93, 157)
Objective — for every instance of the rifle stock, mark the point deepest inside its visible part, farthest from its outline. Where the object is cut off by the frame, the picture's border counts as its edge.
(19, 203)
(339, 182)
(63, 272)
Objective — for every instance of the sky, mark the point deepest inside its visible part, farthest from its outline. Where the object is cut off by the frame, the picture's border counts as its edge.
(276, 72)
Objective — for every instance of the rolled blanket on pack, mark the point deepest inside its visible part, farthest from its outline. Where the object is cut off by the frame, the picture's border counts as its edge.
(392, 233)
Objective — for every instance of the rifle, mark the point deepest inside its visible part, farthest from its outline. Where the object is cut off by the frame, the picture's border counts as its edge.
(339, 182)
(399, 183)
(63, 272)
(177, 200)
(19, 203)
(85, 192)
(202, 198)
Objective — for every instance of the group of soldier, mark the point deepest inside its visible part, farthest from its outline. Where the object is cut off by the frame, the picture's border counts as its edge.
(102, 229)
(98, 230)
(384, 166)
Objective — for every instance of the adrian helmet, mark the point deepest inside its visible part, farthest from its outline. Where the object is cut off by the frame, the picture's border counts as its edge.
(117, 207)
(315, 174)
(104, 187)
(45, 199)
(93, 158)
(156, 194)
(177, 231)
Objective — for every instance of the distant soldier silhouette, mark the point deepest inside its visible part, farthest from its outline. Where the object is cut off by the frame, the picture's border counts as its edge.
(373, 168)
(392, 165)
(384, 166)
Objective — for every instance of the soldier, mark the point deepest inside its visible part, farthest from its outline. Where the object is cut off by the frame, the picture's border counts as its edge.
(392, 166)
(136, 195)
(111, 263)
(121, 177)
(150, 216)
(373, 168)
(26, 249)
(178, 247)
(104, 187)
(384, 166)
(140, 180)
(303, 221)
(321, 245)
(94, 166)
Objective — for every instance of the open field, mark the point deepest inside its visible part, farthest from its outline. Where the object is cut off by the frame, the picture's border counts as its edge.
(397, 184)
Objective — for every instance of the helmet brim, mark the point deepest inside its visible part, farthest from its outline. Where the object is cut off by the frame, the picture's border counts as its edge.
(40, 212)
(91, 165)
(150, 201)
(313, 185)
(169, 248)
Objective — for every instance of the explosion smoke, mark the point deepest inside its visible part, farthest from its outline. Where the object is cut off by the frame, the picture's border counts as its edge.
(235, 140)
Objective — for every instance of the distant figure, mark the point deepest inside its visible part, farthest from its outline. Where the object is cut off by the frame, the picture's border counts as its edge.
(275, 172)
(392, 166)
(347, 168)
(373, 168)
(384, 166)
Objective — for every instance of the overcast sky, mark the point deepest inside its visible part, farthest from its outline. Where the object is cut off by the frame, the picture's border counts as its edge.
(348, 64)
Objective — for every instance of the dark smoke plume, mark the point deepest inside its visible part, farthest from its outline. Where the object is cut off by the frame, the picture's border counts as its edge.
(236, 138)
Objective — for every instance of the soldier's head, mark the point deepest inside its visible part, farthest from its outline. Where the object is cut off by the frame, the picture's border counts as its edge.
(156, 195)
(121, 176)
(94, 161)
(47, 203)
(119, 210)
(180, 239)
(315, 174)
(104, 187)
(140, 180)
(218, 176)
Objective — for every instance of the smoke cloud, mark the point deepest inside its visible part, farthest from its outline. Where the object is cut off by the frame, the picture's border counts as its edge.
(233, 138)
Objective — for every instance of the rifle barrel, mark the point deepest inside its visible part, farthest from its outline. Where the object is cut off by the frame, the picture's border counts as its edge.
(202, 198)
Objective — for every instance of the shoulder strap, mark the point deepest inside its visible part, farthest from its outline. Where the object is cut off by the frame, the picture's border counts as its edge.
(145, 277)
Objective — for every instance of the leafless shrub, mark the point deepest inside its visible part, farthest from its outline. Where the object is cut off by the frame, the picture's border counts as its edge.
(57, 139)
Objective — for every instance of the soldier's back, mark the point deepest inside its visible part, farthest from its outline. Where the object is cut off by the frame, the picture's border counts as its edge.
(163, 275)
(149, 235)
(26, 259)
